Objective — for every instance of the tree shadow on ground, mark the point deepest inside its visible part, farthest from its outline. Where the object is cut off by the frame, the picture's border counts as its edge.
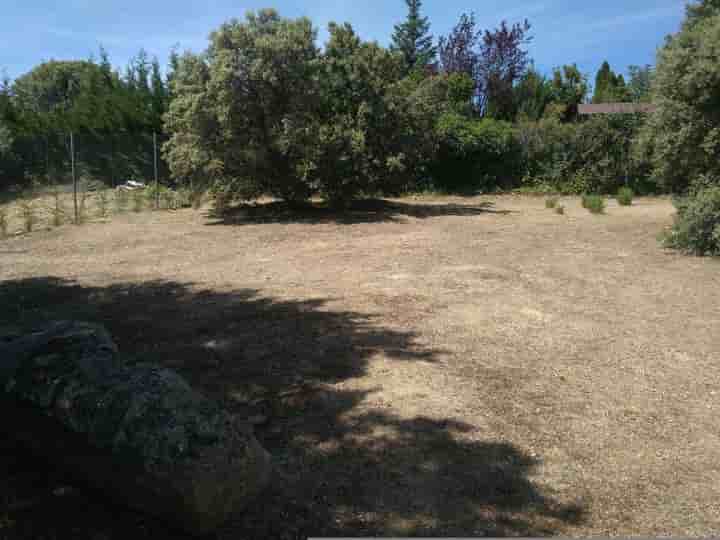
(361, 211)
(341, 468)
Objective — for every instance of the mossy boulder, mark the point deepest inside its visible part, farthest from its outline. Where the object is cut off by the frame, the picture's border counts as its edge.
(138, 433)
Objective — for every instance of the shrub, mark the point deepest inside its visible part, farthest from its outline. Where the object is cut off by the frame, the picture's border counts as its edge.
(625, 196)
(560, 210)
(696, 228)
(552, 202)
(594, 203)
(593, 155)
(475, 154)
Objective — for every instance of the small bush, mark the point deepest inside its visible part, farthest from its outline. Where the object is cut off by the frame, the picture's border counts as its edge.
(625, 196)
(594, 203)
(3, 222)
(560, 210)
(697, 225)
(28, 214)
(552, 202)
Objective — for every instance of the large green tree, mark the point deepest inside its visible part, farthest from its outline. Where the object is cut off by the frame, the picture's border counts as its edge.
(413, 40)
(683, 136)
(241, 110)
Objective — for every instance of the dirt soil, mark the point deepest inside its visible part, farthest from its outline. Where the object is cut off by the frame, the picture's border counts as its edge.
(417, 367)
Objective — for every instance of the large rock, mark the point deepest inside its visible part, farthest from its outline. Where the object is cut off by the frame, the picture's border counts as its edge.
(138, 433)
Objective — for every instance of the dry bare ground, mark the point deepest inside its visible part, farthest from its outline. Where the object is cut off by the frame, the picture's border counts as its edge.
(429, 366)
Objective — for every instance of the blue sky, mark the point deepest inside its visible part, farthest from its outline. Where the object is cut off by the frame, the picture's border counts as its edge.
(587, 32)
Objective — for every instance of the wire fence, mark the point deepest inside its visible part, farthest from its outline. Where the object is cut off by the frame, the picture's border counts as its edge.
(84, 160)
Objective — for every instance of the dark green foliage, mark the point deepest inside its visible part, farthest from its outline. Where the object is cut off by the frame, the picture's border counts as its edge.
(595, 204)
(533, 94)
(287, 121)
(681, 137)
(609, 86)
(569, 89)
(640, 84)
(241, 114)
(625, 196)
(697, 225)
(373, 131)
(413, 40)
(591, 156)
(475, 154)
(111, 117)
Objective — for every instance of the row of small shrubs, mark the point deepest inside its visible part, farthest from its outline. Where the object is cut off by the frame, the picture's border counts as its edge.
(28, 210)
(592, 202)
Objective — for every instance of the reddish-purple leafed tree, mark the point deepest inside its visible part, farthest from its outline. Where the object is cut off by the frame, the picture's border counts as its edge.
(495, 60)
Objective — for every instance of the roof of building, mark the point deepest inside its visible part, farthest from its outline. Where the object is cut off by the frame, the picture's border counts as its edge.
(616, 108)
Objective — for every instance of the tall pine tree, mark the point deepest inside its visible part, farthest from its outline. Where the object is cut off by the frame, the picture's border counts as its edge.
(412, 38)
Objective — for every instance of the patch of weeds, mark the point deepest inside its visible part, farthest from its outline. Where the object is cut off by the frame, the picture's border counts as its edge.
(183, 198)
(103, 203)
(196, 199)
(3, 222)
(138, 200)
(121, 200)
(221, 202)
(28, 215)
(625, 196)
(168, 197)
(58, 213)
(82, 206)
(551, 202)
(595, 204)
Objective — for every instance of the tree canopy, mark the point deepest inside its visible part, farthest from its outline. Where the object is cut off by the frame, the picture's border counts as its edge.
(413, 40)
